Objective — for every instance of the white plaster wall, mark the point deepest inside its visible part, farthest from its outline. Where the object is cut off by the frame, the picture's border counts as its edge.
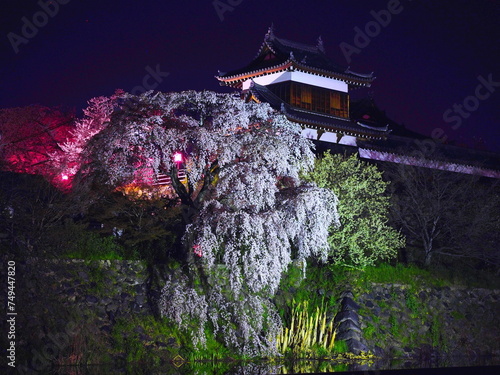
(329, 137)
(314, 80)
(347, 140)
(307, 78)
(422, 162)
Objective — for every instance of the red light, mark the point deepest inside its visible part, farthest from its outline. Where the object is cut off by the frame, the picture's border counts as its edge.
(197, 250)
(64, 177)
(178, 157)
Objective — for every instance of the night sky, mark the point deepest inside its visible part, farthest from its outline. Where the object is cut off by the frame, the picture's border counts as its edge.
(426, 58)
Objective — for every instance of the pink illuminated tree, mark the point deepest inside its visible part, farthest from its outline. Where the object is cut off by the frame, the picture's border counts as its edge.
(65, 164)
(30, 137)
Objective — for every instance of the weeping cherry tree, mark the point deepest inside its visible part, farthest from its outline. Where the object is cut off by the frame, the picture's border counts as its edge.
(247, 213)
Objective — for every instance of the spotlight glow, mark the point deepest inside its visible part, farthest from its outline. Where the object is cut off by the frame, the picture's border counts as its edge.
(178, 157)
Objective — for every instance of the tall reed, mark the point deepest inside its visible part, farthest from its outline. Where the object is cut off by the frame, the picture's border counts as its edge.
(307, 332)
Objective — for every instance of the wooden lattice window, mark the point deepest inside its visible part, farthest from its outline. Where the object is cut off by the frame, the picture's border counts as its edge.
(313, 98)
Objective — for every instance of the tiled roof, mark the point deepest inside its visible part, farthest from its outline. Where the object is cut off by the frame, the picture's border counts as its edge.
(365, 110)
(288, 55)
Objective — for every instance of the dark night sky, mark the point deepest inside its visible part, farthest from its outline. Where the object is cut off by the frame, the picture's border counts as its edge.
(426, 59)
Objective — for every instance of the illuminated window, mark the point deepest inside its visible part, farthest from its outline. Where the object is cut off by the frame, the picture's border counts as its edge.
(313, 98)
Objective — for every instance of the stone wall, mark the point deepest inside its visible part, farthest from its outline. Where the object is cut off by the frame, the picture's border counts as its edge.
(68, 311)
(67, 308)
(400, 321)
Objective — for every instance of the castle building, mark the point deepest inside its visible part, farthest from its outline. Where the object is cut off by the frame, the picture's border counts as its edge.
(309, 88)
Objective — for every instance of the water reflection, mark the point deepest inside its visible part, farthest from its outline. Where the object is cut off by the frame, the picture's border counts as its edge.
(266, 368)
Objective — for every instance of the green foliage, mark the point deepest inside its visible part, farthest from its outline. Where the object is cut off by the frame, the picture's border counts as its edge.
(394, 325)
(142, 223)
(340, 347)
(319, 289)
(369, 331)
(457, 315)
(213, 350)
(138, 339)
(83, 244)
(410, 275)
(436, 332)
(364, 237)
(317, 278)
(127, 341)
(412, 301)
(389, 327)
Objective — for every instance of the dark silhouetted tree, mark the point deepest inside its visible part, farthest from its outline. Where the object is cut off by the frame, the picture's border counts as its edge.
(447, 214)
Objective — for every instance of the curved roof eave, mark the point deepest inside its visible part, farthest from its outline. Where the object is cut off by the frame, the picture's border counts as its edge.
(291, 63)
(328, 127)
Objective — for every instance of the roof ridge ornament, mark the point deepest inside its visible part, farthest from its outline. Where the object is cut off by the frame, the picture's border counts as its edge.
(349, 71)
(270, 32)
(320, 44)
(292, 57)
(371, 127)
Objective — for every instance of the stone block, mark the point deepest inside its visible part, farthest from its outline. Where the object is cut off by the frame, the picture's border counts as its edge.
(356, 346)
(348, 325)
(347, 315)
(349, 304)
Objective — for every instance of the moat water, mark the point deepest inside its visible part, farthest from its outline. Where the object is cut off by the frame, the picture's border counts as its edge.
(435, 366)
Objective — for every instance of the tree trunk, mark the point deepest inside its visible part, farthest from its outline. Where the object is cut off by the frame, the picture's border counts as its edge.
(428, 256)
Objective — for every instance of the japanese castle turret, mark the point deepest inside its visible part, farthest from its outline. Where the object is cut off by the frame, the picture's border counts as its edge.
(309, 88)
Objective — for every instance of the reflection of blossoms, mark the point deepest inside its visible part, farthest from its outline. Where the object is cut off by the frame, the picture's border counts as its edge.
(257, 369)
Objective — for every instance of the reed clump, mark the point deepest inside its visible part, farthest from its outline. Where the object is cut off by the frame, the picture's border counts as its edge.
(308, 331)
